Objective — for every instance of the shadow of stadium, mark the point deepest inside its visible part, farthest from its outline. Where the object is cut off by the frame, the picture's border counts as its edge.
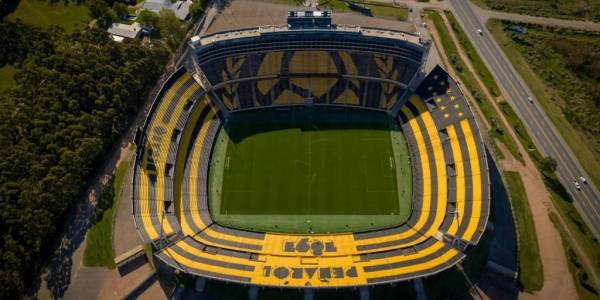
(244, 124)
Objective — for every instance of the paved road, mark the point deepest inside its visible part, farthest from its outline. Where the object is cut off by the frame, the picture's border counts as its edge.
(543, 132)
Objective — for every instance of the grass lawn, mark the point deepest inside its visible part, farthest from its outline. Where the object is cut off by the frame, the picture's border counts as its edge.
(531, 275)
(498, 131)
(378, 9)
(480, 3)
(569, 9)
(389, 12)
(336, 5)
(312, 164)
(289, 2)
(99, 240)
(546, 96)
(44, 14)
(520, 130)
(7, 80)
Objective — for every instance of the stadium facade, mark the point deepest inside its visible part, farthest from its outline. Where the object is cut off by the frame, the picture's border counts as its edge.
(310, 61)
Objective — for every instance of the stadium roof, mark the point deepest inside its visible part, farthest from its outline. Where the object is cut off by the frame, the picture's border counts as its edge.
(256, 32)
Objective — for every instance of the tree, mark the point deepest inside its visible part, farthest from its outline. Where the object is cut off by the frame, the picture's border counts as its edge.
(197, 7)
(18, 39)
(7, 6)
(147, 17)
(171, 28)
(70, 105)
(548, 165)
(100, 11)
(120, 9)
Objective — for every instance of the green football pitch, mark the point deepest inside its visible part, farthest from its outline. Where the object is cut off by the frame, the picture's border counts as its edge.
(310, 169)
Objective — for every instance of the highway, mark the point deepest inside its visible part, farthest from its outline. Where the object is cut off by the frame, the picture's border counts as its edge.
(544, 134)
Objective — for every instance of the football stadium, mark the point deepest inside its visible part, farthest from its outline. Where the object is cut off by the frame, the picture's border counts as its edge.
(310, 154)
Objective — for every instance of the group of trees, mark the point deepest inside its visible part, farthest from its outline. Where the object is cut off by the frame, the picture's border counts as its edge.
(75, 95)
(172, 31)
(17, 40)
(7, 6)
(107, 12)
(583, 59)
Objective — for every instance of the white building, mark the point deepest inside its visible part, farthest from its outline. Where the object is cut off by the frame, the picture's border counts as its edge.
(119, 31)
(180, 8)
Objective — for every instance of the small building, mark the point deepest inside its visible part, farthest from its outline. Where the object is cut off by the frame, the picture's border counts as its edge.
(180, 8)
(147, 30)
(517, 29)
(363, 9)
(156, 5)
(318, 19)
(119, 31)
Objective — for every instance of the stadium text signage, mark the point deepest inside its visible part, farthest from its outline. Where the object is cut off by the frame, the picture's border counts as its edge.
(321, 273)
(305, 245)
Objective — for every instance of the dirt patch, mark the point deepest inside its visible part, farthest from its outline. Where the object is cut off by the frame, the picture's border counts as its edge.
(554, 261)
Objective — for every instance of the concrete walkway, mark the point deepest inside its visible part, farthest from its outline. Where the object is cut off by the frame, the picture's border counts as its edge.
(116, 287)
(125, 235)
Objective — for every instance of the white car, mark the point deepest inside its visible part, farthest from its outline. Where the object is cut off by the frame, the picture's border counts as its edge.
(582, 179)
(530, 99)
(480, 31)
(577, 186)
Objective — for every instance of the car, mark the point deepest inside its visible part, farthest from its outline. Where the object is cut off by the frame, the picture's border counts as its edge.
(480, 31)
(529, 99)
(577, 186)
(582, 179)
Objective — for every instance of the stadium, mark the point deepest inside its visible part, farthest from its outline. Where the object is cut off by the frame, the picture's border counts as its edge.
(310, 155)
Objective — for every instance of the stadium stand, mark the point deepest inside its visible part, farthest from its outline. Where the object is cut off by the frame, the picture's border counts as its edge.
(284, 69)
(153, 185)
(450, 204)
